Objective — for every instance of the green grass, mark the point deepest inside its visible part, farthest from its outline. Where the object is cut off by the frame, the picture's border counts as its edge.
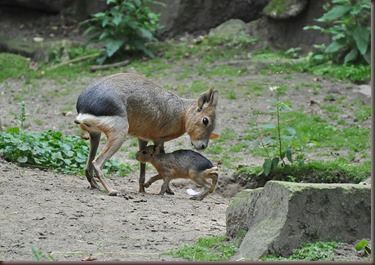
(215, 248)
(336, 171)
(314, 132)
(317, 251)
(15, 66)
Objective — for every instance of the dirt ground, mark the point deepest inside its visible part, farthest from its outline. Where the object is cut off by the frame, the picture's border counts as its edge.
(56, 213)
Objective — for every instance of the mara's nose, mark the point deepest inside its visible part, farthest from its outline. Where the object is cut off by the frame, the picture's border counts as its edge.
(199, 146)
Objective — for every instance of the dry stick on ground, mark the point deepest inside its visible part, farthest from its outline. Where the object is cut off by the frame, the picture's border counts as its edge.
(75, 60)
(108, 66)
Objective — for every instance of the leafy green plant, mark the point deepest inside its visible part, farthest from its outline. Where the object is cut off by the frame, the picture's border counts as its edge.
(337, 171)
(40, 256)
(22, 117)
(363, 245)
(50, 149)
(125, 25)
(349, 28)
(215, 248)
(283, 153)
(317, 251)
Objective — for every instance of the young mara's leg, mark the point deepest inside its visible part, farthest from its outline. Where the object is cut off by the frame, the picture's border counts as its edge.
(152, 180)
(201, 179)
(165, 185)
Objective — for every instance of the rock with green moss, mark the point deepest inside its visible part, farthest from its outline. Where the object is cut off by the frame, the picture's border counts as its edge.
(281, 9)
(232, 30)
(281, 216)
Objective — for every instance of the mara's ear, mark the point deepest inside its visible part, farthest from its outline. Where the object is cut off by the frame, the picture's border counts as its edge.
(214, 98)
(210, 96)
(158, 149)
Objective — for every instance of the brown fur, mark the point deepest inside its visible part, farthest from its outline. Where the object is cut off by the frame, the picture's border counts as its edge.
(142, 109)
(179, 165)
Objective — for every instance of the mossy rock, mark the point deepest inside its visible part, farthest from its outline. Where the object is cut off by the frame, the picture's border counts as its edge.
(282, 9)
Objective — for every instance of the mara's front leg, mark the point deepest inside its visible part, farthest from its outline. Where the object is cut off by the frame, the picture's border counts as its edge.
(165, 185)
(142, 175)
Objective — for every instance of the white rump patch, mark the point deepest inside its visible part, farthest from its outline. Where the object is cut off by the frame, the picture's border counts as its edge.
(92, 122)
(192, 192)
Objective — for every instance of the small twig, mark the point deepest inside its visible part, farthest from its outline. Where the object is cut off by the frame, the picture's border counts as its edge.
(108, 66)
(75, 60)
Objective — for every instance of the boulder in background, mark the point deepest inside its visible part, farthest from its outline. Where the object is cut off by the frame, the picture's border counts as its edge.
(281, 216)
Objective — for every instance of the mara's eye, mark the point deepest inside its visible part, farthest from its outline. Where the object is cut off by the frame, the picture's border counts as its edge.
(144, 152)
(205, 121)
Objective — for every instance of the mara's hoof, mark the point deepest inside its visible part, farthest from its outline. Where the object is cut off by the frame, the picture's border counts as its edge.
(169, 191)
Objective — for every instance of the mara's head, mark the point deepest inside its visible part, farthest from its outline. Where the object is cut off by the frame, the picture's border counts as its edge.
(200, 121)
(147, 154)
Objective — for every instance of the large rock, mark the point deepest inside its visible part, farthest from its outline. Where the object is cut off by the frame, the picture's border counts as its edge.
(285, 30)
(180, 16)
(281, 216)
(79, 9)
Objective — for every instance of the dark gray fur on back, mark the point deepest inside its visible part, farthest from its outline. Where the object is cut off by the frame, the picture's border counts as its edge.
(97, 101)
(193, 159)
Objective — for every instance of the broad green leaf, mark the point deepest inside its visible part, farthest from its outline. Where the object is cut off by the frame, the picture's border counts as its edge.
(291, 130)
(335, 13)
(145, 33)
(13, 130)
(105, 22)
(334, 47)
(351, 56)
(89, 29)
(267, 126)
(22, 159)
(117, 19)
(103, 35)
(361, 36)
(269, 141)
(24, 147)
(288, 152)
(99, 15)
(367, 56)
(275, 162)
(112, 46)
(318, 57)
(267, 166)
(361, 245)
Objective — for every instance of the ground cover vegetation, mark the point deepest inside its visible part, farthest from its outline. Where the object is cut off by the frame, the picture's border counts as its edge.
(284, 135)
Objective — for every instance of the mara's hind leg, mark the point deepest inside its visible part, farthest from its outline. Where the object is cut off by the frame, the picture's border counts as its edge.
(115, 139)
(213, 174)
(202, 182)
(201, 179)
(94, 144)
